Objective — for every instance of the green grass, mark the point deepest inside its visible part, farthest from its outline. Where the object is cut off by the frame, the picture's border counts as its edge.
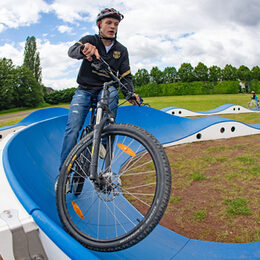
(246, 160)
(198, 176)
(254, 170)
(198, 102)
(237, 207)
(175, 199)
(200, 215)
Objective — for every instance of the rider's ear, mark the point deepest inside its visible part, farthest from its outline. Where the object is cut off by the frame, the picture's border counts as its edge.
(99, 24)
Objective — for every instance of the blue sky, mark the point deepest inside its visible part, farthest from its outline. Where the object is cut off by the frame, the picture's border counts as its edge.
(157, 33)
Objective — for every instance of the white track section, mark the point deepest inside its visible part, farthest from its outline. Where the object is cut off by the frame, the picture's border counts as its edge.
(230, 110)
(8, 201)
(6, 132)
(218, 131)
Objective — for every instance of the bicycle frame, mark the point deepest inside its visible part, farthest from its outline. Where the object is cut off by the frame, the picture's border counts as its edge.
(102, 107)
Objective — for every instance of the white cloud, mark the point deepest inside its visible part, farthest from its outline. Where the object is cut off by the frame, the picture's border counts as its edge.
(82, 10)
(56, 65)
(2, 27)
(59, 84)
(10, 52)
(64, 28)
(173, 32)
(14, 13)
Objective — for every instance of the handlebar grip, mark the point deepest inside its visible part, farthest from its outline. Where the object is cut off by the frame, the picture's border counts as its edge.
(133, 97)
(141, 101)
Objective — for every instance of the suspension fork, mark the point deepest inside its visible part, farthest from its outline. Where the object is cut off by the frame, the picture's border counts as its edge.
(102, 106)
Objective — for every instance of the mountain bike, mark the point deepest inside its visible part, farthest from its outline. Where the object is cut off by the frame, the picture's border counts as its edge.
(115, 184)
(253, 104)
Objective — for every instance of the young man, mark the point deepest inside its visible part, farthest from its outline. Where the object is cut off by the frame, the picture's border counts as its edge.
(90, 80)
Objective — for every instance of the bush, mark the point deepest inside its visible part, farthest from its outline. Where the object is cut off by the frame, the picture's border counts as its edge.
(226, 87)
(60, 96)
(254, 85)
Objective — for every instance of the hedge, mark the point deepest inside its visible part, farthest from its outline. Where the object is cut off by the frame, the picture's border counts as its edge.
(192, 88)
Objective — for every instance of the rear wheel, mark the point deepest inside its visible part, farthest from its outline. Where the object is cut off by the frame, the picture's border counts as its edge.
(130, 196)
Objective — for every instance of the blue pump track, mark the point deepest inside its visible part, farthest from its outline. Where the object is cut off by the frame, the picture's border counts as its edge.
(39, 115)
(31, 161)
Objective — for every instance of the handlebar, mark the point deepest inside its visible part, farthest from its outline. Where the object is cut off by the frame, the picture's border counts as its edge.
(101, 64)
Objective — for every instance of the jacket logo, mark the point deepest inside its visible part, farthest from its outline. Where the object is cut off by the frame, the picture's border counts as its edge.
(116, 54)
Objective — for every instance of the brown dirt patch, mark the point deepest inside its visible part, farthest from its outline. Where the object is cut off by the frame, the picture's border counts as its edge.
(205, 177)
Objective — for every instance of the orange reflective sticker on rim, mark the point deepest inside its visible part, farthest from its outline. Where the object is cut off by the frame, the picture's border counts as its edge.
(126, 149)
(77, 209)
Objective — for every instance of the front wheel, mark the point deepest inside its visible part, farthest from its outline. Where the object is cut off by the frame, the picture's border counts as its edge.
(130, 196)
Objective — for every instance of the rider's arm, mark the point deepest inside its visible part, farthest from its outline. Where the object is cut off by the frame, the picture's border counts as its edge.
(75, 51)
(126, 79)
(84, 48)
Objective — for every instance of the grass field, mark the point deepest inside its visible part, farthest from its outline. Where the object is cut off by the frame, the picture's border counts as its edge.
(198, 102)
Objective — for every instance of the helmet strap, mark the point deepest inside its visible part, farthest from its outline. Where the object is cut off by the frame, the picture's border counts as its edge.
(107, 38)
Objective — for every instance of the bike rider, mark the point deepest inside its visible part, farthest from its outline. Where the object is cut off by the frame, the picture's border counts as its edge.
(90, 80)
(255, 98)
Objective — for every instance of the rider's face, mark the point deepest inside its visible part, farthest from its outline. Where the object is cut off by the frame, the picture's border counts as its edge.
(108, 27)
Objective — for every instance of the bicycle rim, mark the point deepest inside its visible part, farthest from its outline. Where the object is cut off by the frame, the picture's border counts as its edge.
(130, 198)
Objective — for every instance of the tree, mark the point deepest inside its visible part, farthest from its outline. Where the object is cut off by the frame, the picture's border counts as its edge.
(214, 73)
(185, 72)
(244, 73)
(141, 78)
(201, 72)
(156, 75)
(229, 73)
(6, 83)
(255, 73)
(32, 58)
(169, 75)
(27, 91)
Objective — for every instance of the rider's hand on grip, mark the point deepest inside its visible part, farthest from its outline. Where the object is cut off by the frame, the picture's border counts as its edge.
(134, 99)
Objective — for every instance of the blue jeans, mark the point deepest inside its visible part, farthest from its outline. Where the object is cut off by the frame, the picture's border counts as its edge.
(78, 112)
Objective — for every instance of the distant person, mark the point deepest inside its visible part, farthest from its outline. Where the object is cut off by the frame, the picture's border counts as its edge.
(254, 100)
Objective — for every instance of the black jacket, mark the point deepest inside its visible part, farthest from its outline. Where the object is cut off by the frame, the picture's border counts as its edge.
(91, 80)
